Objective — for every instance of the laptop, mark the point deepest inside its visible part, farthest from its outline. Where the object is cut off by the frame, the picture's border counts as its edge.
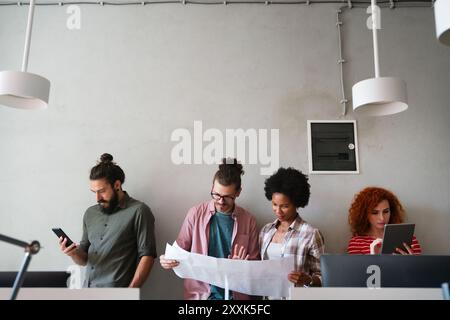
(343, 270)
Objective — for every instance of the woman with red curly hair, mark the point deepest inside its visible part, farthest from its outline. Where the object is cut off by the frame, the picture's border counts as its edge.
(371, 209)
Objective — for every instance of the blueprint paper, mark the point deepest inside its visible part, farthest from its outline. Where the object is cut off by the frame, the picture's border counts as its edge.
(252, 277)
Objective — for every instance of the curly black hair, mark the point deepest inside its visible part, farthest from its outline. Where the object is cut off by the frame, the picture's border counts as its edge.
(290, 182)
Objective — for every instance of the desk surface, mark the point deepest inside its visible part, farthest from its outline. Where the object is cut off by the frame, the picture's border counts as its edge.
(72, 294)
(366, 294)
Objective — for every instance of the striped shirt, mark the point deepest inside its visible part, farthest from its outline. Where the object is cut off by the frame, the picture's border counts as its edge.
(361, 245)
(302, 241)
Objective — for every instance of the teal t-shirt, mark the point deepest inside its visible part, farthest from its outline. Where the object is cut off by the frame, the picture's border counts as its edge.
(220, 233)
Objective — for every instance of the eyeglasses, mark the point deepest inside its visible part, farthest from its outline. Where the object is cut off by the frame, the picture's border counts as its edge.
(217, 197)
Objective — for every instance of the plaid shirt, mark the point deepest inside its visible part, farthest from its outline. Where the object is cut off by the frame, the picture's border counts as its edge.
(302, 241)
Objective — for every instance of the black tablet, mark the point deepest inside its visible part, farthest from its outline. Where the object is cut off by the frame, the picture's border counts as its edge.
(395, 235)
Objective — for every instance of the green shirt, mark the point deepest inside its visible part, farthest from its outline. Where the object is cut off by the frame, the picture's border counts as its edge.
(115, 242)
(220, 234)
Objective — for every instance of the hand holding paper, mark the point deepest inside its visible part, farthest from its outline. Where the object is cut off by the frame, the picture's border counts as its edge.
(253, 277)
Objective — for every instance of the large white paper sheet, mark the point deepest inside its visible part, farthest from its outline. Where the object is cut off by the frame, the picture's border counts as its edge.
(253, 277)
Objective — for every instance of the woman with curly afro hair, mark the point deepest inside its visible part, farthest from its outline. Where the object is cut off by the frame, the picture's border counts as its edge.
(372, 208)
(289, 234)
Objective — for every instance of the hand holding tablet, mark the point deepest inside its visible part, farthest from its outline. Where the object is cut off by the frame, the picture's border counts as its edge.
(395, 236)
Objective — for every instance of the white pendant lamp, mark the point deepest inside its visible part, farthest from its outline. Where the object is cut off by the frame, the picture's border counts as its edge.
(442, 19)
(21, 89)
(379, 96)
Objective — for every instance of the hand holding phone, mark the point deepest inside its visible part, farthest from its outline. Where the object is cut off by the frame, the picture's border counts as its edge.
(60, 233)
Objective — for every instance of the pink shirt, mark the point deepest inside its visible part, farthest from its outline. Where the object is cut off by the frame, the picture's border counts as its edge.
(194, 237)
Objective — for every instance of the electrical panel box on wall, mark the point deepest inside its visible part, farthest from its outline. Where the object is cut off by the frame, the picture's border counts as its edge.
(333, 147)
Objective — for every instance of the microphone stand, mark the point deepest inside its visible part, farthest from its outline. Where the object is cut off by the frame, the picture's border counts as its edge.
(30, 249)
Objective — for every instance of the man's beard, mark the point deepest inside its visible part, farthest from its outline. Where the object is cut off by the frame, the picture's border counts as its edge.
(112, 203)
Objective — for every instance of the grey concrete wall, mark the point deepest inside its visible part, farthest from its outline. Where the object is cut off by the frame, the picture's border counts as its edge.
(131, 75)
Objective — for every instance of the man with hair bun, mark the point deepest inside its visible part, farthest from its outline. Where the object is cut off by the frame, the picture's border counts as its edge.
(218, 228)
(118, 243)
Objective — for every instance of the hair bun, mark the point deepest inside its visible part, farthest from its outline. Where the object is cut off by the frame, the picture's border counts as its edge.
(106, 157)
(231, 164)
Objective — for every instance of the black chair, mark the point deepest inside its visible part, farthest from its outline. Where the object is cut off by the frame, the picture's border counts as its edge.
(36, 279)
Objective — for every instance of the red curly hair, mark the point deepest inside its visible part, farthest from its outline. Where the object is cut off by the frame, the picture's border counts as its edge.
(364, 203)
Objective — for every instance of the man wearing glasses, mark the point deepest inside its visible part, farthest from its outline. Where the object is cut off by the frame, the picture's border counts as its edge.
(218, 228)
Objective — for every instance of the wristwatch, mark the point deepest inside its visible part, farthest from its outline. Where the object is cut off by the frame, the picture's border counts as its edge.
(310, 283)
